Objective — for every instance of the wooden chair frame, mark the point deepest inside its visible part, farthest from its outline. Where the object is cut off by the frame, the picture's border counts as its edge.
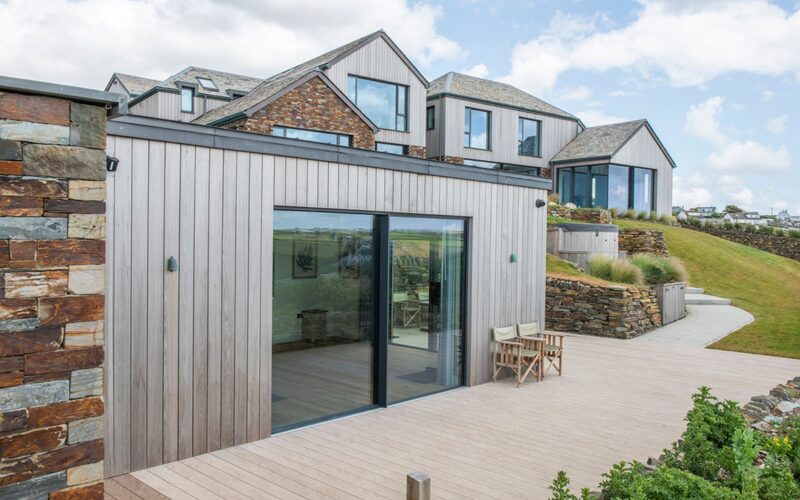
(514, 352)
(552, 348)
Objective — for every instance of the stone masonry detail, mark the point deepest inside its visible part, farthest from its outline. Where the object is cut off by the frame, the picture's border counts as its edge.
(52, 280)
(312, 105)
(606, 311)
(642, 241)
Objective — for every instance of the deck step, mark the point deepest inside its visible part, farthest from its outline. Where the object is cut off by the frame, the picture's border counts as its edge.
(695, 290)
(705, 300)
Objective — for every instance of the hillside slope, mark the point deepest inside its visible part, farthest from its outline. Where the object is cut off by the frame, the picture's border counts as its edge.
(766, 285)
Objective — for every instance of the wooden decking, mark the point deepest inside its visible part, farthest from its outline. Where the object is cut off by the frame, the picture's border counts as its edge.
(617, 400)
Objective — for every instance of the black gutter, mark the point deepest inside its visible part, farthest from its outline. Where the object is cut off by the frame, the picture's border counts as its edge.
(155, 129)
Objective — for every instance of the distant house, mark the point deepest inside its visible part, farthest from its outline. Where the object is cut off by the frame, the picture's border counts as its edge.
(705, 210)
(783, 219)
(745, 218)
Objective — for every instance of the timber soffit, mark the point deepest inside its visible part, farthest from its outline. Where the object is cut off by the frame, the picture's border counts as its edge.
(156, 129)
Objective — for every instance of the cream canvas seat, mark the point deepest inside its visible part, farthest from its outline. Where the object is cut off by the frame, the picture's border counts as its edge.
(521, 355)
(553, 346)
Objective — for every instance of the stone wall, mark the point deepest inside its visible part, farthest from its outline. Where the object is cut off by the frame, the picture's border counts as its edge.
(786, 246)
(642, 241)
(606, 311)
(588, 215)
(52, 280)
(312, 105)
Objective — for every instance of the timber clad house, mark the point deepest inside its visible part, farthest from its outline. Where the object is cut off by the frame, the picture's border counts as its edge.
(278, 252)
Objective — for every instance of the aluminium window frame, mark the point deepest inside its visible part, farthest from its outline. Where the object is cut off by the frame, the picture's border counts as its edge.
(406, 89)
(193, 89)
(338, 135)
(213, 87)
(430, 118)
(404, 146)
(520, 131)
(468, 133)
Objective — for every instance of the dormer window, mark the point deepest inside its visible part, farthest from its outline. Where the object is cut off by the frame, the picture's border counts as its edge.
(207, 83)
(187, 99)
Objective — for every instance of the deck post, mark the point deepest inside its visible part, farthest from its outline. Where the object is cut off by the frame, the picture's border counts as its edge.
(418, 486)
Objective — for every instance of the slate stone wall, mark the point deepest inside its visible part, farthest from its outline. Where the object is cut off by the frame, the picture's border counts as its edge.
(587, 215)
(642, 241)
(606, 311)
(785, 246)
(52, 281)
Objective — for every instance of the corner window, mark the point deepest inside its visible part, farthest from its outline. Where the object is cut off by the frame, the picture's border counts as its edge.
(530, 132)
(207, 83)
(187, 99)
(386, 104)
(607, 186)
(313, 136)
(430, 118)
(476, 128)
(385, 147)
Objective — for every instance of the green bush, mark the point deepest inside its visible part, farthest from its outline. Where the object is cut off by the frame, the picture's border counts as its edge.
(727, 225)
(669, 219)
(794, 234)
(658, 270)
(642, 215)
(749, 228)
(560, 489)
(628, 214)
(766, 229)
(653, 216)
(617, 270)
(629, 481)
(613, 212)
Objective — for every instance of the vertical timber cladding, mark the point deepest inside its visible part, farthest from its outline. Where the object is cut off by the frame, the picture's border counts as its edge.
(190, 350)
(52, 255)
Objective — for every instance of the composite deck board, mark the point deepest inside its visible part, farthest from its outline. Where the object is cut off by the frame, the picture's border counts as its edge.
(616, 400)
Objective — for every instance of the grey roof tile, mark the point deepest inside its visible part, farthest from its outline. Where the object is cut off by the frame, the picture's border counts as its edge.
(225, 82)
(136, 84)
(492, 91)
(598, 142)
(274, 84)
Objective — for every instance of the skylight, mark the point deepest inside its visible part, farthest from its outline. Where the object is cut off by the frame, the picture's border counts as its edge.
(207, 83)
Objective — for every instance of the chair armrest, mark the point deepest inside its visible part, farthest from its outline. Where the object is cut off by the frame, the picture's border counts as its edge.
(507, 342)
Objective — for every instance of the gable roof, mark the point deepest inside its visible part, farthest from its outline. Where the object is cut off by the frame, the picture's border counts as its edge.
(271, 93)
(267, 88)
(225, 82)
(604, 141)
(490, 91)
(135, 85)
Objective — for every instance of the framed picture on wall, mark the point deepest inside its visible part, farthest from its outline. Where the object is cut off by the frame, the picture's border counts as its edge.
(304, 259)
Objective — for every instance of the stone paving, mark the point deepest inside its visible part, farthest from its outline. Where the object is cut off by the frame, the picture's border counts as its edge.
(703, 325)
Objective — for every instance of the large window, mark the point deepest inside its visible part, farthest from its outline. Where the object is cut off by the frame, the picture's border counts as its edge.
(386, 104)
(312, 135)
(187, 99)
(367, 310)
(607, 186)
(430, 118)
(517, 169)
(530, 132)
(476, 128)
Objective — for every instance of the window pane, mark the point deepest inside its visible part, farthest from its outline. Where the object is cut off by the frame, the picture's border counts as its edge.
(323, 310)
(401, 123)
(482, 164)
(618, 187)
(401, 101)
(529, 137)
(642, 189)
(377, 100)
(279, 131)
(187, 99)
(478, 129)
(580, 195)
(312, 135)
(599, 190)
(565, 185)
(384, 147)
(431, 118)
(425, 342)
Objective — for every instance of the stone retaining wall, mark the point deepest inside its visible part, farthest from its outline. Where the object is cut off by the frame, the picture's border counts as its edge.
(785, 246)
(606, 311)
(634, 241)
(589, 215)
(52, 281)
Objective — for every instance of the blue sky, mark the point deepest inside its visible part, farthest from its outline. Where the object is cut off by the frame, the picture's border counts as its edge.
(718, 79)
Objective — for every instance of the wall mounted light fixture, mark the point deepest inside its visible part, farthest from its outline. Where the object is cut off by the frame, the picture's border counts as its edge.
(540, 203)
(111, 163)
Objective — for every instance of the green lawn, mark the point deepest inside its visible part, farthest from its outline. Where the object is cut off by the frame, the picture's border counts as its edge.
(766, 285)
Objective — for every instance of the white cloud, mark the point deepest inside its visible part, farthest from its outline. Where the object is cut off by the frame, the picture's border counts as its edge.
(579, 93)
(702, 120)
(479, 70)
(595, 117)
(83, 42)
(685, 193)
(767, 95)
(705, 40)
(777, 125)
(622, 93)
(742, 198)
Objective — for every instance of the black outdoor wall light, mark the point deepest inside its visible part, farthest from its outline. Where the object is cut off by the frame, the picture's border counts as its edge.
(111, 163)
(540, 203)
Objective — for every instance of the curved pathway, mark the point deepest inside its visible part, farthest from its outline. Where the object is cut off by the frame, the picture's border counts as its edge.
(703, 325)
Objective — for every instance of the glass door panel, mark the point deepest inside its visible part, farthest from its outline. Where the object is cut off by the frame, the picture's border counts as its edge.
(323, 315)
(425, 328)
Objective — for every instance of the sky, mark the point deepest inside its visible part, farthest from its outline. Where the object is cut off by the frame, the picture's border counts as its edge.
(717, 79)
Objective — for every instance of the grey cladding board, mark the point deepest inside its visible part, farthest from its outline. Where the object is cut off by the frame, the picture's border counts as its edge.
(33, 228)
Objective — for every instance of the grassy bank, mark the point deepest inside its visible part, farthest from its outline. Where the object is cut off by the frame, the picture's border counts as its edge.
(766, 285)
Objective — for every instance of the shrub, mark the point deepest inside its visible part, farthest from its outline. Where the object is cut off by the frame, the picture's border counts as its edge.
(617, 270)
(727, 225)
(642, 215)
(669, 219)
(694, 222)
(653, 216)
(750, 228)
(658, 270)
(613, 212)
(766, 229)
(664, 483)
(561, 491)
(794, 234)
(553, 198)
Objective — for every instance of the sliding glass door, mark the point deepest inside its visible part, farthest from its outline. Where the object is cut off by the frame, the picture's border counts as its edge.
(427, 281)
(323, 321)
(367, 311)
